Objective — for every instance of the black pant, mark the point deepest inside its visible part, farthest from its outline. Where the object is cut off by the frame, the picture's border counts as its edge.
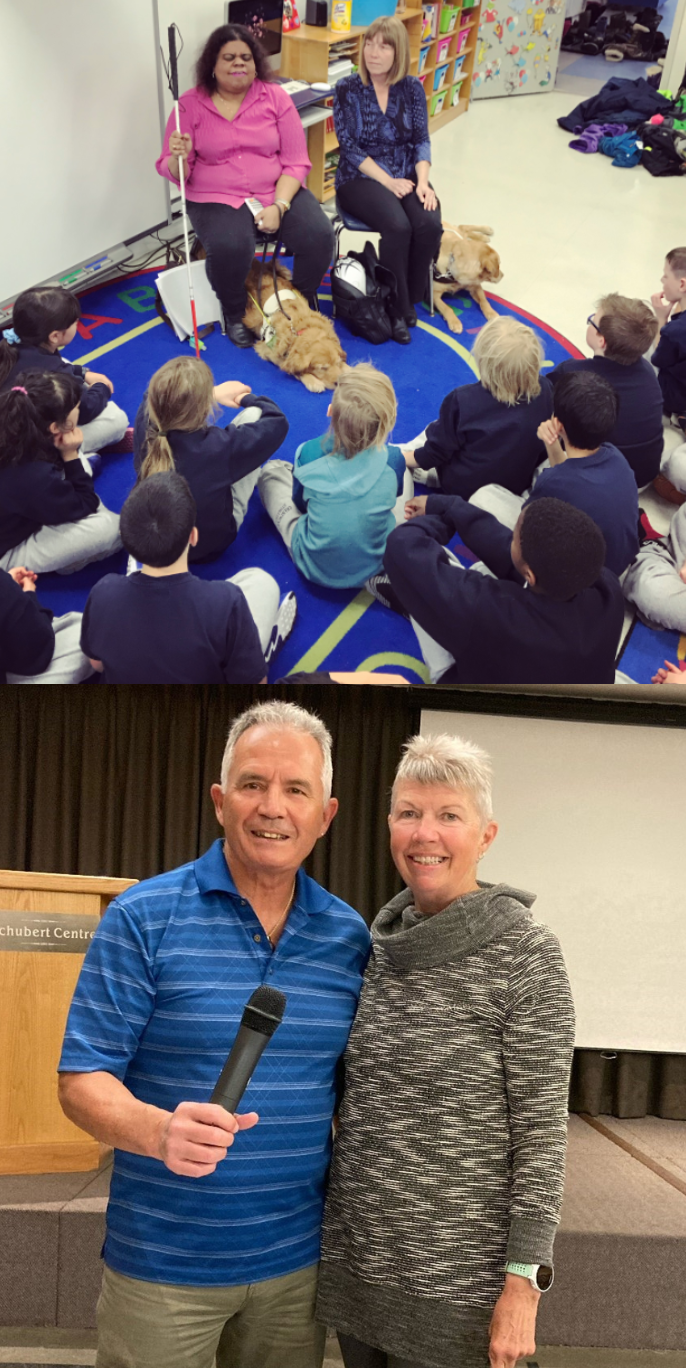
(359, 1355)
(228, 236)
(410, 234)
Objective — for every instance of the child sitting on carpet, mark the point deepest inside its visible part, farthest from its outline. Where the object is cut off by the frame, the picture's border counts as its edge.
(669, 357)
(50, 515)
(174, 431)
(346, 492)
(162, 625)
(587, 471)
(547, 613)
(486, 431)
(656, 582)
(44, 320)
(35, 647)
(619, 333)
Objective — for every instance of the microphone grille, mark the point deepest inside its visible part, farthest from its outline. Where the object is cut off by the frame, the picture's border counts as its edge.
(264, 1010)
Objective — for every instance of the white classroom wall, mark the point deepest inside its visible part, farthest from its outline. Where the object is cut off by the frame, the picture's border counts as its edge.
(592, 819)
(79, 94)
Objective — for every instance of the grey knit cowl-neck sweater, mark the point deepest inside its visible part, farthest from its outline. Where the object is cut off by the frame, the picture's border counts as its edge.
(449, 1158)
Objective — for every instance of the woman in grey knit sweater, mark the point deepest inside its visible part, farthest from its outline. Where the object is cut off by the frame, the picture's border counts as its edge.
(448, 1167)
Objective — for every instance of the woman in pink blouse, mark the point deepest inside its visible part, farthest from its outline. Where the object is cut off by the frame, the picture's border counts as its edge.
(242, 138)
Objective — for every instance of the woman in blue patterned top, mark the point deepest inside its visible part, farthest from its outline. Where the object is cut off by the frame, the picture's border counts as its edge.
(385, 155)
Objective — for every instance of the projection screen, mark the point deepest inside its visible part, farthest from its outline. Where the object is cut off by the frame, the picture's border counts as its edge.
(592, 819)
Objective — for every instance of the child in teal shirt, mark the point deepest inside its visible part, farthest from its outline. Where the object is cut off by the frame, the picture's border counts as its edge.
(336, 507)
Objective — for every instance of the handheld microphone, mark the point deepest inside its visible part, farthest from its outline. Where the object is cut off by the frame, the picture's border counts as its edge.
(261, 1016)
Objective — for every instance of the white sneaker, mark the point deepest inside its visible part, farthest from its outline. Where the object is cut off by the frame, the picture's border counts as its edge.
(426, 477)
(285, 622)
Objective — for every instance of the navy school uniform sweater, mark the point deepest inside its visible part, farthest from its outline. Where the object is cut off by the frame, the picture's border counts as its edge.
(476, 440)
(603, 486)
(638, 432)
(499, 631)
(212, 460)
(670, 358)
(94, 398)
(39, 494)
(172, 629)
(27, 640)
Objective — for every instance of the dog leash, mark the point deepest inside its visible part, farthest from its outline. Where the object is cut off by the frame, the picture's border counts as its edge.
(275, 255)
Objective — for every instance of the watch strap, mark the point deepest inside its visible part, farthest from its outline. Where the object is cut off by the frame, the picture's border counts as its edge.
(523, 1270)
(530, 1272)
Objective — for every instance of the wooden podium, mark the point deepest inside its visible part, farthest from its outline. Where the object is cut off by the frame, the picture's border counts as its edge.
(46, 924)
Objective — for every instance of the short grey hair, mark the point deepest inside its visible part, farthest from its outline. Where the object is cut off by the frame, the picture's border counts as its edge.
(451, 760)
(281, 717)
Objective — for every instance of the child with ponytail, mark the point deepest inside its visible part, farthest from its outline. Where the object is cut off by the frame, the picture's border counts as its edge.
(50, 515)
(43, 321)
(174, 431)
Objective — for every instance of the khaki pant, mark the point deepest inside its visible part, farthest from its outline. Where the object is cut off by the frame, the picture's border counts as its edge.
(158, 1325)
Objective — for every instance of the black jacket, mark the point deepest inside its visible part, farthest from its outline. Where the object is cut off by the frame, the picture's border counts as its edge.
(212, 460)
(27, 641)
(670, 358)
(638, 432)
(39, 494)
(476, 440)
(94, 398)
(499, 631)
(619, 101)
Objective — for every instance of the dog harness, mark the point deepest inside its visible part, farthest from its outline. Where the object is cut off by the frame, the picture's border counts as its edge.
(271, 307)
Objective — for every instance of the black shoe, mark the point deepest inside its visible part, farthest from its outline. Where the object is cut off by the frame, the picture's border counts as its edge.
(380, 587)
(411, 318)
(400, 331)
(240, 335)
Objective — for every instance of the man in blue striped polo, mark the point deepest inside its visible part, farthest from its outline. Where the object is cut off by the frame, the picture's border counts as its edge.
(213, 1220)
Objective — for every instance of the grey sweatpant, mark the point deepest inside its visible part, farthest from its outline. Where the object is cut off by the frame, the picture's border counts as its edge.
(109, 427)
(68, 546)
(68, 665)
(653, 582)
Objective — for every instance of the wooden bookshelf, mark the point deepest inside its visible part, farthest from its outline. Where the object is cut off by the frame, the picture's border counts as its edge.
(305, 57)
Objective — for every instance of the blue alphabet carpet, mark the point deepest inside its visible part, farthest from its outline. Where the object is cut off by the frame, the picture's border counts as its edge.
(121, 335)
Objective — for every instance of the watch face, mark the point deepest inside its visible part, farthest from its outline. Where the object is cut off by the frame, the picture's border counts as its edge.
(544, 1277)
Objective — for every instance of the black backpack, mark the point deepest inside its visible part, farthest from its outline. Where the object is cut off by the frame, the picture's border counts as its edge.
(366, 315)
(660, 156)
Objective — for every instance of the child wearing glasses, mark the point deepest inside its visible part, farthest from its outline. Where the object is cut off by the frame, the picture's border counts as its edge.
(619, 333)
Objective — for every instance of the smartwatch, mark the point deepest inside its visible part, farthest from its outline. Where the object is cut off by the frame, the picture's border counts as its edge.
(540, 1276)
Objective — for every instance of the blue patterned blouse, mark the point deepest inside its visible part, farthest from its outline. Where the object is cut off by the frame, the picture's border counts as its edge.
(396, 140)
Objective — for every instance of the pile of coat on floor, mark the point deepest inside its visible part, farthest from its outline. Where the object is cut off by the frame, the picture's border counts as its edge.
(632, 123)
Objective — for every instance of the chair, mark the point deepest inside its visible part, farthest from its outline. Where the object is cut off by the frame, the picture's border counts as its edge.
(342, 220)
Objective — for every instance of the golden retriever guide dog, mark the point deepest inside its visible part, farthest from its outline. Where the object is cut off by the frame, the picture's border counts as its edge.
(300, 342)
(465, 259)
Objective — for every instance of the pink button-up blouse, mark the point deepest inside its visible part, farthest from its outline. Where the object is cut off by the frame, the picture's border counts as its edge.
(232, 161)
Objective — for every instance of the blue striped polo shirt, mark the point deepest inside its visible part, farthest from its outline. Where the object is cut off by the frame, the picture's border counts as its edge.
(158, 1004)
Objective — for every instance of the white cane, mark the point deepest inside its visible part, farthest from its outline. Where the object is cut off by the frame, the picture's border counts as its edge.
(173, 77)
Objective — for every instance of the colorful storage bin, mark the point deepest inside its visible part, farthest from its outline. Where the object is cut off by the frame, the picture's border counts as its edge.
(423, 54)
(441, 76)
(463, 38)
(455, 92)
(442, 50)
(437, 103)
(424, 77)
(457, 69)
(364, 12)
(449, 15)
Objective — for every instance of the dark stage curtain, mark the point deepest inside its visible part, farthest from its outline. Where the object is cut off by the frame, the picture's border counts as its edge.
(115, 781)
